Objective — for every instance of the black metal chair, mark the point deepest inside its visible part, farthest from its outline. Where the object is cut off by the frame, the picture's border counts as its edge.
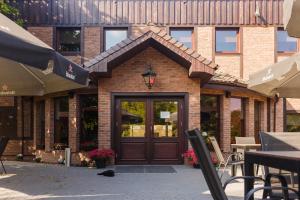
(213, 181)
(3, 144)
(280, 141)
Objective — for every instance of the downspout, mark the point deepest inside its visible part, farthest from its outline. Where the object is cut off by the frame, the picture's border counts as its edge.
(23, 129)
(268, 114)
(276, 99)
(284, 115)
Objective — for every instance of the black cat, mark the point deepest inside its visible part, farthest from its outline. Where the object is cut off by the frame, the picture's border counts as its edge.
(109, 173)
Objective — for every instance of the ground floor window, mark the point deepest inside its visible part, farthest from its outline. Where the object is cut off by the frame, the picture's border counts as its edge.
(61, 123)
(258, 105)
(27, 116)
(210, 115)
(237, 114)
(41, 124)
(8, 117)
(293, 122)
(89, 122)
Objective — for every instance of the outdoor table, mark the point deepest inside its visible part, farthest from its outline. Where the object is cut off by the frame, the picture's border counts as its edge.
(286, 160)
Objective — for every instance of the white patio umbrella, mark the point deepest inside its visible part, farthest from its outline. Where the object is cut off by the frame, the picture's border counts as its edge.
(282, 79)
(29, 67)
(291, 17)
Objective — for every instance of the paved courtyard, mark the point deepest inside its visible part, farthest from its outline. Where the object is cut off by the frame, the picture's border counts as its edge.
(43, 181)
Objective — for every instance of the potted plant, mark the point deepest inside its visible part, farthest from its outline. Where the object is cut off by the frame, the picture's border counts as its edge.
(37, 159)
(19, 157)
(192, 159)
(101, 156)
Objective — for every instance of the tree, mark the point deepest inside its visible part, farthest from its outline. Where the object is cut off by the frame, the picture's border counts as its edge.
(11, 12)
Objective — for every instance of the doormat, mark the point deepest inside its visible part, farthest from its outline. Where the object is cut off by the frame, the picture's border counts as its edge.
(145, 169)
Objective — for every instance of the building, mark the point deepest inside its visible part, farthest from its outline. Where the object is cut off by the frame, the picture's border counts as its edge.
(202, 53)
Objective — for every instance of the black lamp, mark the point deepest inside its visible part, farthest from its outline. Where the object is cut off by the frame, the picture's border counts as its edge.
(149, 76)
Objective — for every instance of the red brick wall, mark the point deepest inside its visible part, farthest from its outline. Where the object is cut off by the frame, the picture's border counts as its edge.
(49, 124)
(74, 123)
(92, 42)
(171, 77)
(7, 101)
(279, 116)
(225, 123)
(43, 33)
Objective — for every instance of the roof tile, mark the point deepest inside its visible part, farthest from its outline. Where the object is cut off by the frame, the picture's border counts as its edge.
(224, 78)
(198, 61)
(189, 51)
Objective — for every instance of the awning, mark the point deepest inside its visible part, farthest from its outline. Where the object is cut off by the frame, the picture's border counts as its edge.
(291, 17)
(29, 67)
(282, 78)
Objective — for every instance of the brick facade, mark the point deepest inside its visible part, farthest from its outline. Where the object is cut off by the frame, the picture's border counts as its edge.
(230, 64)
(92, 42)
(44, 33)
(49, 124)
(204, 39)
(127, 78)
(74, 123)
(257, 51)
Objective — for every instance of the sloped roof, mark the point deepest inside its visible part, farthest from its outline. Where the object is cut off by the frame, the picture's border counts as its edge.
(227, 79)
(197, 65)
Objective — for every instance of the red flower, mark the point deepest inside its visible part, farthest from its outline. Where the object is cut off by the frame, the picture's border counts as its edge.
(101, 154)
(190, 155)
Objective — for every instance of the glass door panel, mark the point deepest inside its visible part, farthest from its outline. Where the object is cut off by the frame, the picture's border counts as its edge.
(133, 119)
(210, 113)
(165, 119)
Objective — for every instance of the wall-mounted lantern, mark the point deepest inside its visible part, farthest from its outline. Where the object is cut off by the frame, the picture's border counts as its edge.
(149, 76)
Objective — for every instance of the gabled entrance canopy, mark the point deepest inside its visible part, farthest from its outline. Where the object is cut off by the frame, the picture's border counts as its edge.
(198, 66)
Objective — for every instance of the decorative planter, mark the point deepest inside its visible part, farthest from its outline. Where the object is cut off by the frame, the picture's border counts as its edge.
(100, 163)
(196, 166)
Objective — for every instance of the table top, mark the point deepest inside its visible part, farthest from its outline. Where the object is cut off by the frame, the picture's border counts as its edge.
(246, 146)
(291, 155)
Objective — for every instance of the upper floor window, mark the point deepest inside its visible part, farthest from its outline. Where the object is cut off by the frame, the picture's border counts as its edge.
(285, 43)
(183, 35)
(68, 40)
(227, 40)
(113, 36)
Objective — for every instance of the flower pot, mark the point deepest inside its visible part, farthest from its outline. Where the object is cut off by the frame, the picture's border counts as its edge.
(196, 166)
(100, 163)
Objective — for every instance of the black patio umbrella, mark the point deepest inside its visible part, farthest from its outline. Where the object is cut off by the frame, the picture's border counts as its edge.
(29, 67)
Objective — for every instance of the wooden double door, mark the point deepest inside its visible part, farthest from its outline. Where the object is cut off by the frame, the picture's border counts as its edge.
(149, 130)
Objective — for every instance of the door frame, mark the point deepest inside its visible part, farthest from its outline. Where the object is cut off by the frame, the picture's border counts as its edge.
(183, 95)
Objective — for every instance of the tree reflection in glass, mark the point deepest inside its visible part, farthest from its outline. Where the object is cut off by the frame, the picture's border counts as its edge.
(133, 118)
(210, 115)
(237, 118)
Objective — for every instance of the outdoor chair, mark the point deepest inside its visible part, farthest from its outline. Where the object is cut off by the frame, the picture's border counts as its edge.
(212, 179)
(233, 159)
(3, 144)
(280, 141)
(246, 140)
